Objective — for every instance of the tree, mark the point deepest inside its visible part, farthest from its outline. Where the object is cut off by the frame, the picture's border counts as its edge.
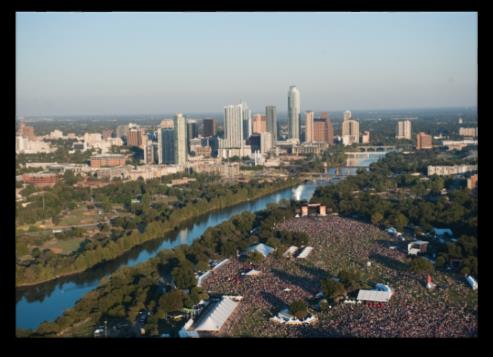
(172, 301)
(376, 218)
(255, 257)
(69, 178)
(421, 265)
(333, 289)
(440, 262)
(350, 280)
(299, 309)
(184, 277)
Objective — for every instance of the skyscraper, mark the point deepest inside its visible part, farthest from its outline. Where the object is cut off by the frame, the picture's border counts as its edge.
(294, 110)
(270, 112)
(209, 127)
(233, 126)
(350, 129)
(181, 139)
(309, 121)
(192, 129)
(247, 120)
(423, 141)
(166, 145)
(134, 137)
(403, 130)
(323, 131)
(265, 142)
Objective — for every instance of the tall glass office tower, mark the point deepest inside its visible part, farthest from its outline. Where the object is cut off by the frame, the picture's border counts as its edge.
(294, 110)
(270, 113)
(247, 120)
(181, 139)
(233, 126)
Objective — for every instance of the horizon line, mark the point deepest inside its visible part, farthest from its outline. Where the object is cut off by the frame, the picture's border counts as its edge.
(216, 112)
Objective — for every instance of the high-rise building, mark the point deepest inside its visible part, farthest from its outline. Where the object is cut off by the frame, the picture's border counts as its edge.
(294, 110)
(423, 141)
(254, 142)
(265, 142)
(166, 146)
(143, 138)
(192, 129)
(26, 131)
(323, 131)
(403, 130)
(365, 138)
(259, 123)
(233, 126)
(472, 132)
(350, 129)
(324, 115)
(271, 114)
(134, 137)
(309, 126)
(209, 127)
(247, 121)
(149, 153)
(181, 139)
(460, 120)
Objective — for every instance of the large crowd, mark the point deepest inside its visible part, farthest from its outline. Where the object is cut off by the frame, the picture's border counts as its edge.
(341, 243)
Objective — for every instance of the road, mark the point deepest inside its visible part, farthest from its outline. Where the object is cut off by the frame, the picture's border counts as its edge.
(71, 226)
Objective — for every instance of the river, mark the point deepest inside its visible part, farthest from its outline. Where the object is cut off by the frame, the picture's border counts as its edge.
(47, 301)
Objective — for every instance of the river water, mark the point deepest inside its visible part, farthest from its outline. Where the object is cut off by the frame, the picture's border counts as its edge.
(47, 301)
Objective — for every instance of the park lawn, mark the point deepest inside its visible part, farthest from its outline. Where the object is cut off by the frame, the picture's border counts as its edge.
(76, 217)
(164, 199)
(69, 245)
(65, 246)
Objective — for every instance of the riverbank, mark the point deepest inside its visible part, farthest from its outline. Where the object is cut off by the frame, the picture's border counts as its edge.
(155, 230)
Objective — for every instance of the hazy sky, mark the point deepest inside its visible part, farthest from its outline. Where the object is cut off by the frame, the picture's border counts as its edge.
(138, 63)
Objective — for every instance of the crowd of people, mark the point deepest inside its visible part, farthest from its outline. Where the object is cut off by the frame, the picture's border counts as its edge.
(342, 244)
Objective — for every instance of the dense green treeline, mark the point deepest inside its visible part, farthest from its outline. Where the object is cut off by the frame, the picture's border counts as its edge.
(148, 224)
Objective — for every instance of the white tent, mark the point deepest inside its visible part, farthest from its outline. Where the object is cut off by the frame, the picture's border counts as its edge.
(214, 318)
(305, 252)
(290, 251)
(374, 295)
(473, 283)
(261, 248)
(253, 272)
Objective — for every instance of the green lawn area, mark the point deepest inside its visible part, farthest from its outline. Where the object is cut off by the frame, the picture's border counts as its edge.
(65, 246)
(77, 215)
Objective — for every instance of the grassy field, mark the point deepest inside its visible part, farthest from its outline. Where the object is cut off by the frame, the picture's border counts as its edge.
(59, 246)
(79, 216)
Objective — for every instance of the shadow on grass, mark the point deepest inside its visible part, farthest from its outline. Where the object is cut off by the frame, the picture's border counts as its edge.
(389, 262)
(310, 285)
(276, 302)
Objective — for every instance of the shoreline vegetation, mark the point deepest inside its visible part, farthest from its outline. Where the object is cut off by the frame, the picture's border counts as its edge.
(154, 230)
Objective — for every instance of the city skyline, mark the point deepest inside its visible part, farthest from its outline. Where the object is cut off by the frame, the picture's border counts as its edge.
(344, 60)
